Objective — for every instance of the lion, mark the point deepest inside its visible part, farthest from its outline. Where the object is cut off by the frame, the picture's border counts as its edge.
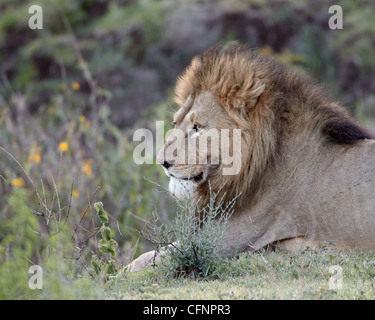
(306, 167)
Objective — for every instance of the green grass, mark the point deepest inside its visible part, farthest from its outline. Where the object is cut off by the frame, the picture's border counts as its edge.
(267, 275)
(261, 275)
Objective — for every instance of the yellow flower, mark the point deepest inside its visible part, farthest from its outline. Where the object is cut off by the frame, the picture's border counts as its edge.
(63, 146)
(87, 167)
(88, 123)
(76, 86)
(19, 182)
(84, 214)
(75, 193)
(35, 155)
(82, 118)
(37, 158)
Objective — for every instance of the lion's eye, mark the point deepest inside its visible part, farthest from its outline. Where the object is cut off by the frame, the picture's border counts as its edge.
(196, 128)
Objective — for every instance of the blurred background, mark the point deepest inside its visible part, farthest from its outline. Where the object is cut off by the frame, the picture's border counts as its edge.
(72, 94)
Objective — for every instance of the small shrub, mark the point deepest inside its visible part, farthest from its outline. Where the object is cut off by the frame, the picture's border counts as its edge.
(105, 263)
(190, 244)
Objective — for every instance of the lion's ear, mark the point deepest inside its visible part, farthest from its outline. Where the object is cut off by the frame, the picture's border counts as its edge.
(234, 101)
(247, 95)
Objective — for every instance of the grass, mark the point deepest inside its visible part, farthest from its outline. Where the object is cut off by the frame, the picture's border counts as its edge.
(263, 275)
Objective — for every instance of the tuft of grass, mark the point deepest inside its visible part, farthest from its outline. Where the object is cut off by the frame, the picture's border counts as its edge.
(189, 245)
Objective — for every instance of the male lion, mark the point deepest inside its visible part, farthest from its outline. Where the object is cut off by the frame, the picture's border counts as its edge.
(306, 168)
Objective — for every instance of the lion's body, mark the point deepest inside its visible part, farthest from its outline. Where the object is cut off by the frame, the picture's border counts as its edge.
(307, 169)
(322, 194)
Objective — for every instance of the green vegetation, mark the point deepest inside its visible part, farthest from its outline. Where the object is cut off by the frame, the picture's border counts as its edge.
(266, 275)
(107, 245)
(189, 245)
(71, 96)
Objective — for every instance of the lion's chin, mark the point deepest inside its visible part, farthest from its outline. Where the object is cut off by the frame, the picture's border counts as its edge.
(182, 189)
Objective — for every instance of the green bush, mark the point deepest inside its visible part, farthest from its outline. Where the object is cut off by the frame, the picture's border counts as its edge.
(189, 246)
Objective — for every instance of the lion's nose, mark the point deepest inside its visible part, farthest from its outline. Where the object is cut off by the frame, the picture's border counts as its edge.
(166, 164)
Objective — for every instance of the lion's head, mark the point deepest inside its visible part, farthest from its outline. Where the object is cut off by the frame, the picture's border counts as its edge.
(224, 92)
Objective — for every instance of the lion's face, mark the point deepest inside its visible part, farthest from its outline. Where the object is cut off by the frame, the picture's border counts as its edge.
(200, 146)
